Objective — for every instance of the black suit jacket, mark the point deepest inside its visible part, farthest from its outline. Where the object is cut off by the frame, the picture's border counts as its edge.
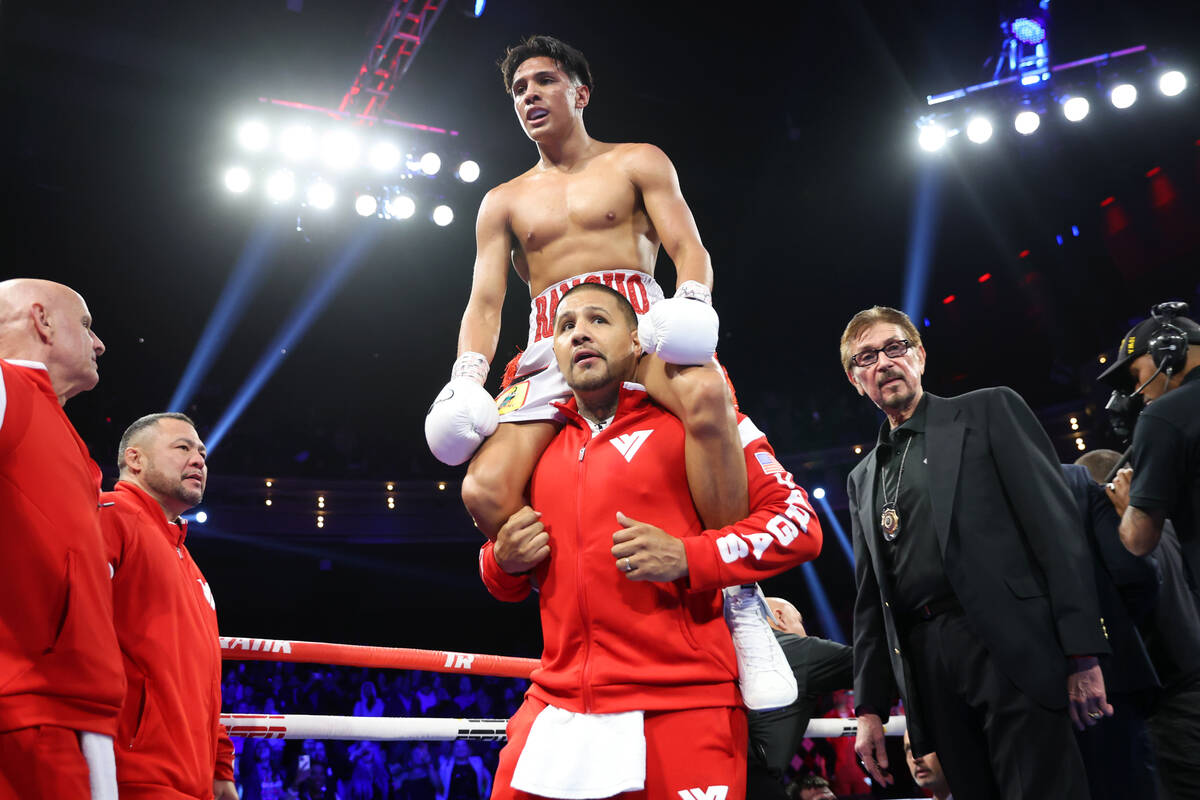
(1126, 586)
(1012, 549)
(820, 666)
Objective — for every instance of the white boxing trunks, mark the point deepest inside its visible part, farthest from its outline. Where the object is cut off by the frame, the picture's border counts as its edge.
(537, 383)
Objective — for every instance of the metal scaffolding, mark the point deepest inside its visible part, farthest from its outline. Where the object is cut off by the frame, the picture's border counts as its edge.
(405, 29)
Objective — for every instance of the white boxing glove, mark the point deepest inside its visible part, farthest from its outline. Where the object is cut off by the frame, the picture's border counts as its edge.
(463, 415)
(682, 329)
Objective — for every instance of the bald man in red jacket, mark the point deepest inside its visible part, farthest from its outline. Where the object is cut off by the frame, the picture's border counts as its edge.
(61, 681)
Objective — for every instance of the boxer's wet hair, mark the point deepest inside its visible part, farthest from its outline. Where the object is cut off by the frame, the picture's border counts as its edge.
(623, 304)
(568, 58)
(870, 316)
(140, 425)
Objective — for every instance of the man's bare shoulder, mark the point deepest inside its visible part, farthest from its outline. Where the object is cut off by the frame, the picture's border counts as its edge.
(641, 152)
(642, 160)
(506, 194)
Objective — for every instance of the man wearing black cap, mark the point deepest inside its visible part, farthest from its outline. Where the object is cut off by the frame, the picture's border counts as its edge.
(1158, 362)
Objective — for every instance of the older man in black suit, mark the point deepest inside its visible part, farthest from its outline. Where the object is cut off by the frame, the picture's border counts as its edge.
(975, 592)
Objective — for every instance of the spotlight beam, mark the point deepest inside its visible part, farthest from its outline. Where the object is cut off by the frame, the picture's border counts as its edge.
(838, 530)
(241, 284)
(832, 629)
(920, 242)
(318, 296)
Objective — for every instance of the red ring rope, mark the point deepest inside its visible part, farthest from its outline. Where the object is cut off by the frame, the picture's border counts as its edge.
(353, 655)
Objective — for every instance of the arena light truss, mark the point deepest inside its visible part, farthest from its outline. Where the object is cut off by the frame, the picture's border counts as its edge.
(320, 161)
(1036, 95)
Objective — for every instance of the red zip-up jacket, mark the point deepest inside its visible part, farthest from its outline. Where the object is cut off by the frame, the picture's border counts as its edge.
(170, 742)
(612, 644)
(59, 661)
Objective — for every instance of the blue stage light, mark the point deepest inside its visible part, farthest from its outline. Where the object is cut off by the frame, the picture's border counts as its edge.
(229, 307)
(1075, 230)
(827, 515)
(480, 5)
(819, 493)
(1059, 239)
(1029, 30)
(927, 322)
(920, 242)
(828, 619)
(314, 302)
(201, 517)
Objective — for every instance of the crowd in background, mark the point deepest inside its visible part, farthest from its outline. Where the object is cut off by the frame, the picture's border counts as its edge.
(275, 769)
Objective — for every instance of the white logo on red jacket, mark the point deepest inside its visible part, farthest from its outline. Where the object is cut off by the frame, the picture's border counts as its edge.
(629, 443)
(711, 793)
(208, 595)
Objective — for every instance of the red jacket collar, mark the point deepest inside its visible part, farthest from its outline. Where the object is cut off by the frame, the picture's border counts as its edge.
(630, 396)
(176, 534)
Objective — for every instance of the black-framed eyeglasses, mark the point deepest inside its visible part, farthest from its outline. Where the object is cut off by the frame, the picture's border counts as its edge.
(896, 349)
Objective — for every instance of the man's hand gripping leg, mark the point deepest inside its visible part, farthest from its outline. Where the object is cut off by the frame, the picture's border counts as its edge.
(495, 486)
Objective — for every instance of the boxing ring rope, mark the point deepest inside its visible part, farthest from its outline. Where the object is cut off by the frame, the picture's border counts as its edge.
(392, 729)
(308, 726)
(353, 655)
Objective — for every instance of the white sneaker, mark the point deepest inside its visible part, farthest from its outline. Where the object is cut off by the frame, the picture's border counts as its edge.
(764, 675)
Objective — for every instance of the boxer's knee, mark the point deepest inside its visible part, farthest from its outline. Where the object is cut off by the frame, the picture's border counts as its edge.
(484, 495)
(705, 401)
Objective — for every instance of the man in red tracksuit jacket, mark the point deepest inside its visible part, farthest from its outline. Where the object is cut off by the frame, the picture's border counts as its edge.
(61, 681)
(170, 742)
(636, 693)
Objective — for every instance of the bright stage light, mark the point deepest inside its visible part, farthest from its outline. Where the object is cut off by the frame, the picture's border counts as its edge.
(1123, 95)
(297, 142)
(443, 215)
(401, 207)
(1027, 122)
(468, 171)
(818, 493)
(201, 517)
(384, 156)
(979, 130)
(431, 163)
(253, 135)
(366, 205)
(339, 149)
(1172, 83)
(237, 179)
(281, 185)
(1029, 31)
(479, 5)
(932, 137)
(320, 195)
(1076, 108)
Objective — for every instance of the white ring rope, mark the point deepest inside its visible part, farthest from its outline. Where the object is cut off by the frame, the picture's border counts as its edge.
(391, 729)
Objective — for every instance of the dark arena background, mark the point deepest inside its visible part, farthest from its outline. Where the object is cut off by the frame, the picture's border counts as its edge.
(155, 160)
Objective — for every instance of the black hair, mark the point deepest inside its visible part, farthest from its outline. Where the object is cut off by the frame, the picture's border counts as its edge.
(140, 425)
(571, 60)
(623, 304)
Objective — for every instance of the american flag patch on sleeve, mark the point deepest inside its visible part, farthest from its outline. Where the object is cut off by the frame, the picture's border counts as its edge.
(768, 463)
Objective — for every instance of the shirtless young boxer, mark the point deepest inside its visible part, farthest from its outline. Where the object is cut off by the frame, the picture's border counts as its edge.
(588, 210)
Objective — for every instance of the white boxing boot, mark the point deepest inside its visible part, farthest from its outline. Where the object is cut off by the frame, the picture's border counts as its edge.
(765, 678)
